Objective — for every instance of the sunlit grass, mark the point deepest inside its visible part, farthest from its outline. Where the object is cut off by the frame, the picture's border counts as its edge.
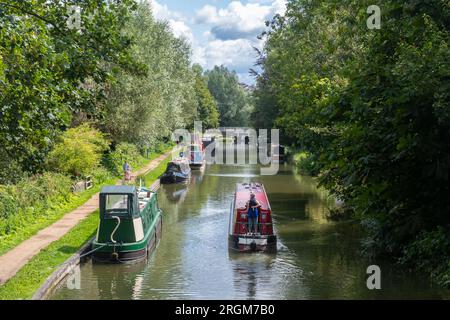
(25, 283)
(53, 214)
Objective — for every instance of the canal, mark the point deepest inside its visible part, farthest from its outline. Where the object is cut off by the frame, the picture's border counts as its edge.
(316, 258)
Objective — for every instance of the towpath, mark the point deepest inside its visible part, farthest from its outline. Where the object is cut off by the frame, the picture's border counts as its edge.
(12, 261)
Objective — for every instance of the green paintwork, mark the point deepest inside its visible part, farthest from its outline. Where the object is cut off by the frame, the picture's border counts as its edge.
(124, 236)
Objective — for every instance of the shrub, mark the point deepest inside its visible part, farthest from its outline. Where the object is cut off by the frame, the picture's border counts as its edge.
(430, 253)
(159, 146)
(340, 213)
(124, 152)
(306, 163)
(8, 202)
(11, 170)
(101, 175)
(30, 199)
(79, 151)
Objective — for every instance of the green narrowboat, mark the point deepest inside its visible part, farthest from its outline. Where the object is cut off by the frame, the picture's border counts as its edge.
(130, 224)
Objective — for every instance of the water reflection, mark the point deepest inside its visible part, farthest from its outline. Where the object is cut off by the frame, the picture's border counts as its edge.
(176, 193)
(121, 282)
(250, 272)
(197, 175)
(317, 259)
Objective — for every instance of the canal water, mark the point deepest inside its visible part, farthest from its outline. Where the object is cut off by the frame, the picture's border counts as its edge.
(316, 258)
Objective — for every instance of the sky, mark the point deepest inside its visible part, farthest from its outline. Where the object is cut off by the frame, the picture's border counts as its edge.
(221, 32)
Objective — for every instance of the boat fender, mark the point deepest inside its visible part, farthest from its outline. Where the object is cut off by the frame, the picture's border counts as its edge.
(253, 246)
(115, 256)
(115, 229)
(236, 241)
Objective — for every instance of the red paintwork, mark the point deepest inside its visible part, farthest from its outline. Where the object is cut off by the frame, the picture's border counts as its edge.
(242, 195)
(196, 139)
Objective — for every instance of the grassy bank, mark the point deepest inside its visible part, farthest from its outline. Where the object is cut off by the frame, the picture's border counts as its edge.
(49, 216)
(26, 221)
(154, 174)
(34, 273)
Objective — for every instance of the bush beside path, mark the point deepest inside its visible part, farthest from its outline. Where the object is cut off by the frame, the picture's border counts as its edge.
(12, 261)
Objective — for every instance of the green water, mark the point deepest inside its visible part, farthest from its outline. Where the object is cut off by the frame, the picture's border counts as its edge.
(316, 259)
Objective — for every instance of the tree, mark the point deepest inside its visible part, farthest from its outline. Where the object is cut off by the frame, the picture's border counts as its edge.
(78, 152)
(145, 109)
(392, 159)
(371, 108)
(233, 102)
(207, 107)
(50, 71)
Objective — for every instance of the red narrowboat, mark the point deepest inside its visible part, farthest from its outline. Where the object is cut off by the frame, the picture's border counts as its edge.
(241, 238)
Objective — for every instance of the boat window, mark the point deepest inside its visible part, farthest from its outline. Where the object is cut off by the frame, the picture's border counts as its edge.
(195, 148)
(116, 204)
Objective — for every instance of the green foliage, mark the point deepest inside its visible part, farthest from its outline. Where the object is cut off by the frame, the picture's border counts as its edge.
(207, 107)
(49, 71)
(11, 170)
(31, 92)
(371, 107)
(8, 203)
(430, 253)
(266, 110)
(144, 109)
(160, 147)
(29, 278)
(30, 198)
(101, 175)
(233, 102)
(79, 151)
(49, 259)
(150, 177)
(35, 203)
(306, 163)
(124, 152)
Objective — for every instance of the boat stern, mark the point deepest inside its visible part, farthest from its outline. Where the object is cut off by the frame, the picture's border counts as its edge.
(251, 243)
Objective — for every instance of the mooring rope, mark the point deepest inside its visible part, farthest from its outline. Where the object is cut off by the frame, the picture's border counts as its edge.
(92, 251)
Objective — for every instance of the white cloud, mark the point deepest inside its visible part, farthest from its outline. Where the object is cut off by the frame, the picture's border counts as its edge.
(176, 20)
(207, 14)
(239, 20)
(181, 29)
(237, 54)
(279, 6)
(162, 12)
(231, 32)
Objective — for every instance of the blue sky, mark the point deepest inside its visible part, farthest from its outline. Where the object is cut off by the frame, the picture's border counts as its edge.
(220, 31)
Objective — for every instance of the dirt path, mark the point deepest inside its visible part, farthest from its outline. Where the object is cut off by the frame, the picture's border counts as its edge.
(12, 261)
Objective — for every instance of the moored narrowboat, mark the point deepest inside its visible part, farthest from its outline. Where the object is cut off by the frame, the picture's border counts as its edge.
(130, 224)
(241, 236)
(207, 140)
(278, 154)
(196, 156)
(177, 171)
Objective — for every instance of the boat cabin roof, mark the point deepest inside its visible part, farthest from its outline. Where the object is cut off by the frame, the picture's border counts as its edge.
(118, 190)
(122, 201)
(180, 160)
(243, 195)
(179, 163)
